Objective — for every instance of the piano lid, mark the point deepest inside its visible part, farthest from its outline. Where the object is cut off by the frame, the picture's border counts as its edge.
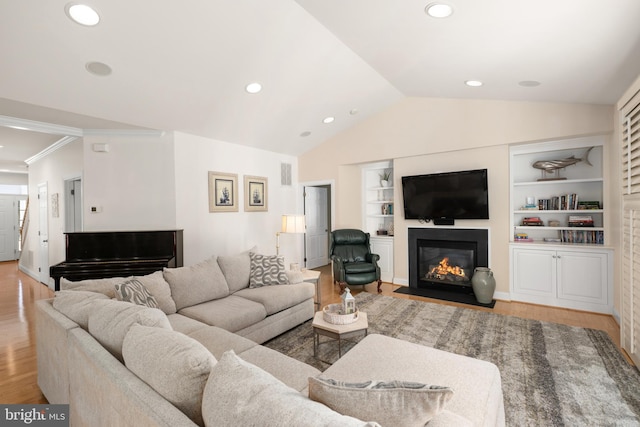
(117, 245)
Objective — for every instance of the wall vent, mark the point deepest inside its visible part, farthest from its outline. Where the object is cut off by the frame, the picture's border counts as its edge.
(285, 173)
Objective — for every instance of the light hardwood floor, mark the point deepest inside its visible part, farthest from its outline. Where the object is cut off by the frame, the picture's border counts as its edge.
(18, 377)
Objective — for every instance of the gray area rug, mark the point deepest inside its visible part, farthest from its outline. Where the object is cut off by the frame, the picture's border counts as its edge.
(552, 374)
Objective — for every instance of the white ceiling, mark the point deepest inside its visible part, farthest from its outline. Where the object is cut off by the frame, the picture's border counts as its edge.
(184, 65)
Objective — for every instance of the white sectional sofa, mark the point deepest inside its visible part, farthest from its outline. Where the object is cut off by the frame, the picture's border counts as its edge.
(196, 359)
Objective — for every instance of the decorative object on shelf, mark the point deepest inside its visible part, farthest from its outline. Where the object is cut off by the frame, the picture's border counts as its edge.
(553, 223)
(554, 166)
(333, 314)
(384, 178)
(223, 192)
(483, 284)
(348, 302)
(390, 230)
(255, 194)
(291, 224)
(385, 209)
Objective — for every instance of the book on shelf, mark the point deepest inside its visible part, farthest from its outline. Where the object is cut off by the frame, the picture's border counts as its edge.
(532, 220)
(588, 204)
(580, 221)
(559, 203)
(522, 237)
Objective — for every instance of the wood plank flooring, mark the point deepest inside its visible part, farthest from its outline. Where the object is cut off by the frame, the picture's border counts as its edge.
(18, 292)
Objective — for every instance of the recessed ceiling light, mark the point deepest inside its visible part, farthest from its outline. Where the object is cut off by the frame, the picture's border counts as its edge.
(254, 87)
(305, 133)
(529, 83)
(354, 111)
(473, 83)
(438, 10)
(82, 14)
(328, 120)
(98, 68)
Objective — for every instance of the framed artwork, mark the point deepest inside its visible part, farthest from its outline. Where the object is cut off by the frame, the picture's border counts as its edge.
(255, 194)
(223, 192)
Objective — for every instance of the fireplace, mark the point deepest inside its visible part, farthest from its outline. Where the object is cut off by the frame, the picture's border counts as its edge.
(445, 258)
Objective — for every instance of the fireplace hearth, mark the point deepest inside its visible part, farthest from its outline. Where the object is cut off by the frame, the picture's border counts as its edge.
(442, 262)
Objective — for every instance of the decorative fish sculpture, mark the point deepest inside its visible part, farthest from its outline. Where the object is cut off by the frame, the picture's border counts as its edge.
(554, 165)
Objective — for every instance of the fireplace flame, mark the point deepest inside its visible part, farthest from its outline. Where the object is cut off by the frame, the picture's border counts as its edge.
(443, 269)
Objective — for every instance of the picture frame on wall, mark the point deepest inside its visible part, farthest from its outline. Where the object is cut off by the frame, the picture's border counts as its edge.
(255, 194)
(223, 192)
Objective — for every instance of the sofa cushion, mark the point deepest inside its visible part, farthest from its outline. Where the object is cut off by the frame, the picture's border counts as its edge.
(241, 394)
(231, 313)
(266, 270)
(135, 292)
(173, 364)
(160, 289)
(278, 297)
(218, 340)
(103, 286)
(402, 403)
(110, 321)
(197, 283)
(184, 324)
(237, 269)
(77, 305)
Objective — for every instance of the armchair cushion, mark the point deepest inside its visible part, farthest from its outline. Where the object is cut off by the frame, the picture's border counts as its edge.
(359, 267)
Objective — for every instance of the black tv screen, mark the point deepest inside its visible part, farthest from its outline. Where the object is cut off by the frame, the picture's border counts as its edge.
(455, 195)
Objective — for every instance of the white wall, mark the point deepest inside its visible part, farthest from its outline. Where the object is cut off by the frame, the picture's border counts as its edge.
(222, 233)
(133, 183)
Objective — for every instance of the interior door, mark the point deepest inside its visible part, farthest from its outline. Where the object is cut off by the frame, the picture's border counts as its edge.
(73, 205)
(7, 228)
(317, 236)
(43, 234)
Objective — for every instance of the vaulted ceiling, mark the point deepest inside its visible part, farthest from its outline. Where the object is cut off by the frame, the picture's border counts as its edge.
(184, 65)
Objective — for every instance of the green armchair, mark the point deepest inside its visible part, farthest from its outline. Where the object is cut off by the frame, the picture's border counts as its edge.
(353, 262)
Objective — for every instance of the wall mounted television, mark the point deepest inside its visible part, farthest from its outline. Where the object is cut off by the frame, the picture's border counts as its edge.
(446, 196)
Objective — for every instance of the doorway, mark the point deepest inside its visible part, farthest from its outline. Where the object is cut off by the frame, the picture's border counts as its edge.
(73, 205)
(8, 221)
(317, 210)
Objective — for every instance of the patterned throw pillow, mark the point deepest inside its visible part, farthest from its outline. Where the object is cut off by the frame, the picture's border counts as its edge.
(135, 292)
(267, 270)
(389, 403)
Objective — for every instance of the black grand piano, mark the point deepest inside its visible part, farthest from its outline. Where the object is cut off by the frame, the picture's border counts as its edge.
(101, 254)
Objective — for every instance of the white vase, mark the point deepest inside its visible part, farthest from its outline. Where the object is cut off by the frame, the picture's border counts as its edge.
(384, 183)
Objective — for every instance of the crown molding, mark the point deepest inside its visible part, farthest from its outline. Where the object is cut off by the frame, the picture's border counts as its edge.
(50, 149)
(42, 127)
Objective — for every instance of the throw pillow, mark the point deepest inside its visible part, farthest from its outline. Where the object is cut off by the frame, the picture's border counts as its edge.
(267, 270)
(77, 305)
(389, 403)
(110, 321)
(196, 283)
(241, 394)
(174, 365)
(159, 288)
(135, 292)
(237, 269)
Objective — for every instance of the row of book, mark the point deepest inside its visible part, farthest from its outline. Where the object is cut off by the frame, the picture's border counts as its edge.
(582, 236)
(580, 221)
(563, 203)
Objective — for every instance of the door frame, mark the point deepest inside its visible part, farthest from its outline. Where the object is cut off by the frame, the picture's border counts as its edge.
(332, 196)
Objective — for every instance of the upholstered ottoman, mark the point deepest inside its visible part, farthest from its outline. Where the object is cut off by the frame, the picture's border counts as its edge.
(477, 386)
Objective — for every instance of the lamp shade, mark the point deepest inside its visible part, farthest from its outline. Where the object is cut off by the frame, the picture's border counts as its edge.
(293, 224)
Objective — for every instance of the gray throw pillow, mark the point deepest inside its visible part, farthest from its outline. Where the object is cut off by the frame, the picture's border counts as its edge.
(173, 364)
(390, 403)
(159, 288)
(267, 270)
(135, 292)
(110, 321)
(77, 305)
